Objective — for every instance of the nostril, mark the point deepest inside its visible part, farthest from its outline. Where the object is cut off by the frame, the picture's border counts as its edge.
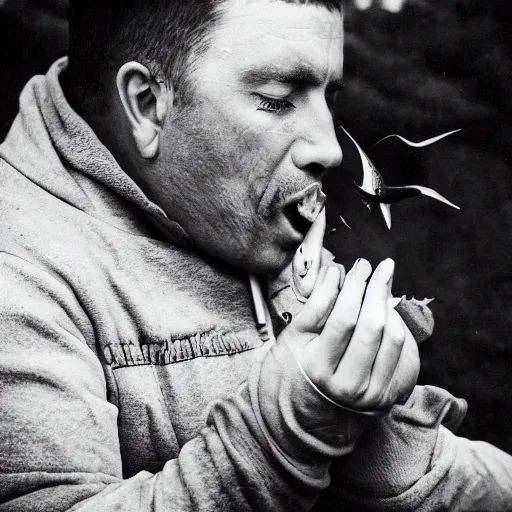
(316, 169)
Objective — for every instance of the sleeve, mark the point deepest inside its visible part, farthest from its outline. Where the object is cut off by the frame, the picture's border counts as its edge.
(266, 448)
(412, 461)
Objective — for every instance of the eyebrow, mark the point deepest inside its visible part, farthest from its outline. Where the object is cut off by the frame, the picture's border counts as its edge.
(298, 76)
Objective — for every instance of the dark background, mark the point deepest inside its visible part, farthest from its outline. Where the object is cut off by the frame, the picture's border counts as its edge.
(436, 66)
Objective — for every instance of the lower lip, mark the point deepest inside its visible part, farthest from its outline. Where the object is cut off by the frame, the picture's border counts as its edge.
(294, 235)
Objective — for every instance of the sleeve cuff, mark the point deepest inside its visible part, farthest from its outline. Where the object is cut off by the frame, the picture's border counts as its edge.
(399, 451)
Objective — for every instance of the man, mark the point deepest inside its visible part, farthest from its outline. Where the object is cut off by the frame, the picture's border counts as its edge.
(181, 147)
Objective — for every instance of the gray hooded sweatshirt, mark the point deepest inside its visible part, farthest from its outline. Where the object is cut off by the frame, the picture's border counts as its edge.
(133, 376)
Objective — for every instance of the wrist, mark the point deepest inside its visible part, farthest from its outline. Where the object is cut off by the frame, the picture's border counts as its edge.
(302, 421)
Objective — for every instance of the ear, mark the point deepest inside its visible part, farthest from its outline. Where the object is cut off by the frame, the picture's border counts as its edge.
(145, 102)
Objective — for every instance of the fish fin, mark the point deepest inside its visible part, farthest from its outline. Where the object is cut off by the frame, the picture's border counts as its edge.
(433, 194)
(391, 195)
(370, 173)
(345, 222)
(386, 213)
(421, 144)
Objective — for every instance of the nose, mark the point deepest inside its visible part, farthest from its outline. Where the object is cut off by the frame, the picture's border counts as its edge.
(317, 148)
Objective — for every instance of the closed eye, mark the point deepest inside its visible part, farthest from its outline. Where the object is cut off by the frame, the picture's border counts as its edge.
(274, 105)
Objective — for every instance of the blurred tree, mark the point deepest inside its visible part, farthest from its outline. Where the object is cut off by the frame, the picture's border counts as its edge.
(439, 65)
(33, 33)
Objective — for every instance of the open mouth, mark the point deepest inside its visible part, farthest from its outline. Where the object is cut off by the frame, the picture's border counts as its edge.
(298, 222)
(303, 208)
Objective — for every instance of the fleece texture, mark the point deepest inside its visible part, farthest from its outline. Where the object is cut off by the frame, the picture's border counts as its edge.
(133, 376)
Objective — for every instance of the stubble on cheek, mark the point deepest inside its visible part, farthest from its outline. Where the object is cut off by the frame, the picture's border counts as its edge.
(217, 176)
(237, 175)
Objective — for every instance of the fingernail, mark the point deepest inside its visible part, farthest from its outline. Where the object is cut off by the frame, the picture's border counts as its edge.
(386, 269)
(353, 270)
(363, 269)
(333, 274)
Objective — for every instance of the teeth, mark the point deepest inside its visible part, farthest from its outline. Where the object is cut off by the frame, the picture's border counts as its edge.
(312, 203)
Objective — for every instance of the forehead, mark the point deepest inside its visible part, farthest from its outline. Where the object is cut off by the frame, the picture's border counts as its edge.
(277, 34)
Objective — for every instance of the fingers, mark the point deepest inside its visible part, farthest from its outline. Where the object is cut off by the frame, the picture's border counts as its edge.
(407, 369)
(355, 347)
(323, 297)
(364, 345)
(343, 318)
(388, 356)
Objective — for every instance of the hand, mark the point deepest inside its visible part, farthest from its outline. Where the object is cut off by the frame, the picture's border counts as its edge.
(357, 351)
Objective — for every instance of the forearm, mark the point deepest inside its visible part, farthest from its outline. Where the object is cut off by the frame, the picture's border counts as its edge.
(266, 448)
(412, 462)
(299, 430)
(479, 478)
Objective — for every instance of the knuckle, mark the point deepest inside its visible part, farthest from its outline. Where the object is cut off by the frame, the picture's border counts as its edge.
(359, 394)
(318, 376)
(372, 403)
(335, 273)
(310, 317)
(315, 302)
(356, 392)
(378, 320)
(315, 314)
(371, 330)
(376, 398)
(347, 323)
(397, 339)
(380, 399)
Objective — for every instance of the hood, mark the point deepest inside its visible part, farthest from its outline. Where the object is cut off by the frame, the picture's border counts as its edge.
(48, 138)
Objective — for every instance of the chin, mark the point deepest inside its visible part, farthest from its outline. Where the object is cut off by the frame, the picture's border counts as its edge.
(266, 260)
(270, 263)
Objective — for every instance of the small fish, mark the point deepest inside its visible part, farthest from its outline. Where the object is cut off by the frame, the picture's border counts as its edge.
(302, 274)
(374, 190)
(305, 269)
(307, 260)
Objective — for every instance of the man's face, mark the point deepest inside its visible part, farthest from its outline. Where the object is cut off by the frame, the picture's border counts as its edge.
(257, 133)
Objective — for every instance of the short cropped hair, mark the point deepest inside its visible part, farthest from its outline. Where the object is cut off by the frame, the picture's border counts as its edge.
(165, 35)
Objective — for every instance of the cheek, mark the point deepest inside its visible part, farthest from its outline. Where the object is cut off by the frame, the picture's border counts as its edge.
(261, 154)
(211, 180)
(221, 170)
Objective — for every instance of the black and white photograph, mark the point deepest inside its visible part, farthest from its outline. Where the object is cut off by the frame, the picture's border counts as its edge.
(255, 255)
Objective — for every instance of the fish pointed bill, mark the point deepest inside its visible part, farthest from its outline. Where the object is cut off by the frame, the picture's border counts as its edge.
(388, 195)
